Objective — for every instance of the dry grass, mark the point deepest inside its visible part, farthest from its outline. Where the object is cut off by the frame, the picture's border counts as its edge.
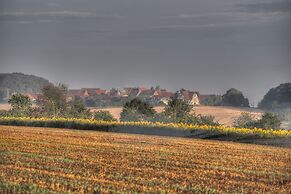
(5, 106)
(34, 160)
(224, 115)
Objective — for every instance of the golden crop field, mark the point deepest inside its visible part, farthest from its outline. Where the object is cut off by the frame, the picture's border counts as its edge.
(44, 160)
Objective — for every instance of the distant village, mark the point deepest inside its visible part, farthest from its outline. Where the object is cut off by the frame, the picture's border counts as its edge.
(97, 97)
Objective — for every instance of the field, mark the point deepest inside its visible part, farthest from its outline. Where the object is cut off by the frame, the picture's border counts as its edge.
(224, 115)
(4, 106)
(44, 160)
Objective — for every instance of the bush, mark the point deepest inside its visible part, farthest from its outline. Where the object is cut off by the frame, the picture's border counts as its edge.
(245, 120)
(21, 105)
(78, 110)
(5, 113)
(161, 117)
(133, 115)
(212, 100)
(268, 121)
(104, 116)
(136, 110)
(200, 120)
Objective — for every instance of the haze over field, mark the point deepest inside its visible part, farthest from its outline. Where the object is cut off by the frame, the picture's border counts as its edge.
(204, 45)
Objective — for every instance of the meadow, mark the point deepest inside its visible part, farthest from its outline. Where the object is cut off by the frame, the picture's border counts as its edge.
(49, 160)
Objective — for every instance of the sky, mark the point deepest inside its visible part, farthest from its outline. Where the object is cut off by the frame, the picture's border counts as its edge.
(203, 45)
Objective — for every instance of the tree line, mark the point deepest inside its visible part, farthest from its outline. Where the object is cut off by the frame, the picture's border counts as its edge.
(53, 103)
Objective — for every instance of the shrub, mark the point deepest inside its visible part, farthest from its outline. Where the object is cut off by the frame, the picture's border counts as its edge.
(136, 110)
(269, 121)
(208, 120)
(21, 105)
(133, 115)
(5, 113)
(245, 120)
(212, 100)
(161, 117)
(200, 120)
(104, 116)
(78, 110)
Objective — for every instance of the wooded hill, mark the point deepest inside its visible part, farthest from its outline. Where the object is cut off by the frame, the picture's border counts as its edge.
(19, 82)
(277, 98)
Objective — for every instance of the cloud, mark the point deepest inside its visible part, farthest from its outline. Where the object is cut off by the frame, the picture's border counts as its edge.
(240, 14)
(221, 19)
(274, 6)
(51, 16)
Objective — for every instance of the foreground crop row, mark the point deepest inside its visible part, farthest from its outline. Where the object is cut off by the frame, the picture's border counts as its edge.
(44, 160)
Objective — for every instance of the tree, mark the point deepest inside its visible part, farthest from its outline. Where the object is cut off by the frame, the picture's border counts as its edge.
(21, 105)
(245, 120)
(269, 121)
(104, 116)
(53, 100)
(137, 107)
(78, 110)
(177, 108)
(212, 100)
(277, 98)
(234, 97)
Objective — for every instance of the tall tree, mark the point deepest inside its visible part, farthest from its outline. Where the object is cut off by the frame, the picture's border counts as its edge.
(21, 104)
(53, 100)
(234, 97)
(177, 108)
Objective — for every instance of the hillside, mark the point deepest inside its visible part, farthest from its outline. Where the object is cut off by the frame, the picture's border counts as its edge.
(19, 82)
(223, 114)
(86, 161)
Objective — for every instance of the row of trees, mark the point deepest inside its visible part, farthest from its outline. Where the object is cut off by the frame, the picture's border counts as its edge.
(177, 111)
(232, 97)
(53, 103)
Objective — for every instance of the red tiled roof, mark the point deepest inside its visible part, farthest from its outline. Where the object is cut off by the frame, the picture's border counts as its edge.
(188, 95)
(94, 91)
(100, 91)
(165, 93)
(147, 93)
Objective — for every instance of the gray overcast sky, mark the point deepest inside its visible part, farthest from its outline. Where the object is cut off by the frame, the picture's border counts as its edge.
(204, 45)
